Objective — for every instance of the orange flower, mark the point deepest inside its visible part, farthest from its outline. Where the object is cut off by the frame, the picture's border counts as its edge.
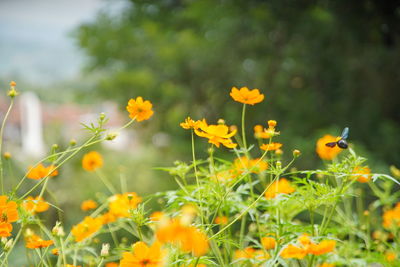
(92, 160)
(108, 217)
(8, 210)
(112, 264)
(33, 241)
(291, 251)
(35, 205)
(246, 96)
(261, 132)
(362, 174)
(271, 147)
(5, 229)
(157, 216)
(188, 238)
(326, 152)
(191, 124)
(217, 134)
(323, 247)
(392, 217)
(222, 220)
(88, 205)
(243, 164)
(268, 242)
(144, 256)
(41, 171)
(282, 186)
(390, 256)
(247, 253)
(86, 228)
(225, 176)
(139, 109)
(326, 265)
(70, 265)
(121, 205)
(55, 251)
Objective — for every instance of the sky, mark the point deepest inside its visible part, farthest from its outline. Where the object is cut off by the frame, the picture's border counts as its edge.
(35, 37)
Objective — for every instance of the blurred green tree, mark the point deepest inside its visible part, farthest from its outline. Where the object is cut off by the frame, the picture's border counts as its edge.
(319, 63)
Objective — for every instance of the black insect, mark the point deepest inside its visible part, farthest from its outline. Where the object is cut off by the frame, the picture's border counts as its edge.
(342, 143)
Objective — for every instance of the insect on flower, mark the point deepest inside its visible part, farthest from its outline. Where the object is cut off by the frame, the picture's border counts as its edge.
(342, 143)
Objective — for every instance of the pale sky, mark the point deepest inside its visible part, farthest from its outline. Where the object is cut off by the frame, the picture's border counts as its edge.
(35, 41)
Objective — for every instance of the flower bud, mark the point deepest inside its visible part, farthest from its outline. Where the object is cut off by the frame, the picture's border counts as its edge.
(58, 230)
(8, 244)
(102, 116)
(296, 153)
(13, 84)
(72, 142)
(272, 123)
(54, 146)
(278, 152)
(7, 155)
(105, 250)
(279, 164)
(221, 121)
(111, 136)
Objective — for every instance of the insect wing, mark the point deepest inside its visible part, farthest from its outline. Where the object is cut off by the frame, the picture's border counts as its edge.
(345, 133)
(332, 144)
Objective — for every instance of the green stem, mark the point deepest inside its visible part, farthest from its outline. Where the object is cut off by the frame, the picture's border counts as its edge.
(106, 182)
(1, 145)
(244, 128)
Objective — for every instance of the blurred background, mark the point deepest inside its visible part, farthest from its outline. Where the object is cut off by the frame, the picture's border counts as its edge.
(321, 64)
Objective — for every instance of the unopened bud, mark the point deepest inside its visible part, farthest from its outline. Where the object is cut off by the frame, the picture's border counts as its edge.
(7, 155)
(366, 212)
(111, 136)
(54, 146)
(221, 121)
(105, 250)
(278, 152)
(58, 230)
(279, 164)
(272, 123)
(12, 92)
(8, 244)
(102, 116)
(296, 153)
(72, 142)
(13, 84)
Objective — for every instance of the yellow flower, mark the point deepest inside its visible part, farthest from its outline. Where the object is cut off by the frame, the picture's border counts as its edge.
(392, 217)
(33, 241)
(188, 238)
(243, 164)
(222, 220)
(144, 256)
(362, 174)
(92, 161)
(217, 134)
(88, 205)
(246, 96)
(139, 109)
(35, 205)
(86, 228)
(325, 152)
(261, 132)
(291, 251)
(325, 264)
(121, 205)
(39, 171)
(247, 253)
(390, 256)
(157, 216)
(282, 186)
(268, 242)
(191, 124)
(271, 147)
(323, 247)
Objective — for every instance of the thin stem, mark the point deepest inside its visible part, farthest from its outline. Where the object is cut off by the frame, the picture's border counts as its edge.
(197, 179)
(106, 182)
(3, 124)
(244, 128)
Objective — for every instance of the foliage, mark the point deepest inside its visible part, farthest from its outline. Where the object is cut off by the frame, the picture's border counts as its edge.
(250, 208)
(332, 58)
